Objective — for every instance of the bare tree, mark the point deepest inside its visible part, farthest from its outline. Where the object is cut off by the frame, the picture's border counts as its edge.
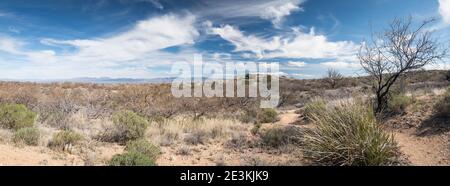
(401, 48)
(333, 77)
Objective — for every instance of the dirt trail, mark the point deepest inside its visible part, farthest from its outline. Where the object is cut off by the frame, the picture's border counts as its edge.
(288, 117)
(423, 150)
(32, 156)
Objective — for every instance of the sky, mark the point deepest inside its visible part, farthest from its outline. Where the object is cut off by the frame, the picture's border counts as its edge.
(64, 39)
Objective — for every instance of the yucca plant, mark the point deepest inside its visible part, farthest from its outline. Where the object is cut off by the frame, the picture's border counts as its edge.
(348, 135)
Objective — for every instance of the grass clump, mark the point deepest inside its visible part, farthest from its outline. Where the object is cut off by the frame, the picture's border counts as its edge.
(28, 136)
(313, 108)
(131, 158)
(268, 116)
(442, 107)
(66, 137)
(127, 126)
(398, 103)
(348, 135)
(144, 147)
(16, 116)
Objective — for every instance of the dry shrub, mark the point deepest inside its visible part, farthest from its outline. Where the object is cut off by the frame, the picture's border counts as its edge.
(442, 107)
(398, 103)
(348, 134)
(268, 116)
(192, 131)
(63, 139)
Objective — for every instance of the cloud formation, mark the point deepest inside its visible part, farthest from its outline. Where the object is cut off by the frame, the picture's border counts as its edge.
(444, 10)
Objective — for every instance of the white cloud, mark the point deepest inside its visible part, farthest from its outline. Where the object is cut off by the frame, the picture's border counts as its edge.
(271, 10)
(341, 64)
(296, 45)
(444, 10)
(147, 36)
(133, 53)
(296, 64)
(277, 12)
(246, 43)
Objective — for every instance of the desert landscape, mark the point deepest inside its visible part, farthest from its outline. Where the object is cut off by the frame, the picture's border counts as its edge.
(93, 124)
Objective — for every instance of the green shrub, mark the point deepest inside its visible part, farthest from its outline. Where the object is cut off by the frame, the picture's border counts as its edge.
(268, 116)
(398, 103)
(66, 137)
(28, 136)
(128, 126)
(314, 107)
(131, 159)
(144, 147)
(442, 107)
(14, 116)
(280, 136)
(348, 134)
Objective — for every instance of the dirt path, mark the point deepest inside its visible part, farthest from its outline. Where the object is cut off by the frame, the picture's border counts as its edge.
(32, 156)
(288, 117)
(423, 151)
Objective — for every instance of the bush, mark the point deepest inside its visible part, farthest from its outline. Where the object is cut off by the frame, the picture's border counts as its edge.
(268, 116)
(66, 137)
(348, 134)
(196, 137)
(14, 116)
(128, 126)
(313, 108)
(442, 107)
(132, 158)
(397, 103)
(28, 136)
(280, 136)
(144, 147)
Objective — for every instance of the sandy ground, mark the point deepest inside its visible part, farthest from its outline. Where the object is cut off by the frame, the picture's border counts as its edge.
(429, 150)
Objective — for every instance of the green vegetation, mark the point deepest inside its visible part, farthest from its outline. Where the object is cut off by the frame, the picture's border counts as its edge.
(348, 134)
(131, 159)
(398, 103)
(15, 116)
(28, 136)
(128, 126)
(268, 116)
(64, 138)
(144, 147)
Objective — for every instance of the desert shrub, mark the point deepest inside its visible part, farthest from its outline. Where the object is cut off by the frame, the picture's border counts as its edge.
(127, 126)
(196, 137)
(398, 103)
(28, 136)
(280, 136)
(66, 137)
(313, 108)
(237, 140)
(268, 116)
(255, 128)
(442, 107)
(14, 116)
(144, 147)
(184, 150)
(348, 134)
(132, 158)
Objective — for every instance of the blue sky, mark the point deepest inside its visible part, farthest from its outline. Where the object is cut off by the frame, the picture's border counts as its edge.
(62, 39)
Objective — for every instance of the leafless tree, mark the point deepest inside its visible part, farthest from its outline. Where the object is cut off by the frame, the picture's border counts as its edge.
(333, 77)
(401, 48)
